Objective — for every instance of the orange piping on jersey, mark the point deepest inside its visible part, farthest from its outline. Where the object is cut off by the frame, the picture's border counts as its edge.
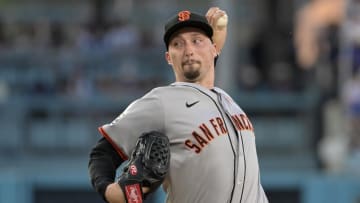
(108, 138)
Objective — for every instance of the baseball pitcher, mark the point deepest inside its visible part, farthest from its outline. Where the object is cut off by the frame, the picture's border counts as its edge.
(205, 144)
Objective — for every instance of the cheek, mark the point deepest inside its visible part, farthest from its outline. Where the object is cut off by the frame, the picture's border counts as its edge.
(208, 56)
(174, 57)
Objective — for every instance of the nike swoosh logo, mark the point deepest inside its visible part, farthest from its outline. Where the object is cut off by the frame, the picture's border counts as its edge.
(191, 104)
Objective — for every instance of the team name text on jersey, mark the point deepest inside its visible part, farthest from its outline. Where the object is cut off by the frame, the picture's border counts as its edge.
(215, 127)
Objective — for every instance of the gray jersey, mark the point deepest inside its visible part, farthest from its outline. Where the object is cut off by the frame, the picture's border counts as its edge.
(213, 153)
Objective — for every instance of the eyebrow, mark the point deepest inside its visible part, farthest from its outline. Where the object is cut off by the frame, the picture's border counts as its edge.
(195, 34)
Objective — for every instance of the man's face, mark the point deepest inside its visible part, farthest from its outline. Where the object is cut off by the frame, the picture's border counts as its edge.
(191, 53)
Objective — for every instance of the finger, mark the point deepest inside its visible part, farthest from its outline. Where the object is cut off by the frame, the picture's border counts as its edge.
(215, 16)
(211, 11)
(210, 14)
(145, 190)
(218, 14)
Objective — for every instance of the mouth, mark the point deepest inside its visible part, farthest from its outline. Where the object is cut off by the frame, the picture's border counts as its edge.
(189, 62)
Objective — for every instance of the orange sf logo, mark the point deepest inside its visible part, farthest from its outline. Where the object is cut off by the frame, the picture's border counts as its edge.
(184, 15)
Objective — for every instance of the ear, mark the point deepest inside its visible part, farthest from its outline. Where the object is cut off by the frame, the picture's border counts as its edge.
(167, 57)
(215, 52)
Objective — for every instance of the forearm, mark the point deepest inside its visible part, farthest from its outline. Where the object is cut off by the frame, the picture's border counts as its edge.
(103, 164)
(219, 38)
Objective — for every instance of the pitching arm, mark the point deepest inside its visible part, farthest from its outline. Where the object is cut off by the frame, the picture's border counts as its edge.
(220, 32)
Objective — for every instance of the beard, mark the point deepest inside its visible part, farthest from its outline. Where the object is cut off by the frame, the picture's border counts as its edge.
(191, 70)
(191, 75)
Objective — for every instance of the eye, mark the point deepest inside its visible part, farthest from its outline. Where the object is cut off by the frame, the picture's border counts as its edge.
(197, 40)
(176, 43)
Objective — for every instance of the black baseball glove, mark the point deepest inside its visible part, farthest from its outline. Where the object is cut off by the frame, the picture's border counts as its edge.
(147, 166)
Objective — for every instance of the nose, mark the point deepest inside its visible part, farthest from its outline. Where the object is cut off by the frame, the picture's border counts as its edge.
(189, 51)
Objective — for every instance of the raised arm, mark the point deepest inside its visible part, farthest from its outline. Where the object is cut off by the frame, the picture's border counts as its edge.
(220, 32)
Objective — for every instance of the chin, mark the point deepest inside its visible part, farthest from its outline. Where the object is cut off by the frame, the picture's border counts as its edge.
(192, 76)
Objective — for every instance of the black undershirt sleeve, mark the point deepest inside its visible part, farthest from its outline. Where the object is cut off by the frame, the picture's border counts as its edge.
(103, 163)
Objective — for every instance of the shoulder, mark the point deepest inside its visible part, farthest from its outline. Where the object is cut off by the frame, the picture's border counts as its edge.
(221, 91)
(177, 90)
(156, 95)
(158, 91)
(165, 91)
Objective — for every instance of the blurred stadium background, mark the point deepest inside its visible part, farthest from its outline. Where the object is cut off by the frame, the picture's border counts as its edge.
(69, 66)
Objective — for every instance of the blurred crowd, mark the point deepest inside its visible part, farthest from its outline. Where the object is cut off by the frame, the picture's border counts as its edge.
(106, 35)
(71, 53)
(270, 64)
(327, 45)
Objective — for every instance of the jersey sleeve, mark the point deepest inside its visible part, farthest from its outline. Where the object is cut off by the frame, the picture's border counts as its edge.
(143, 115)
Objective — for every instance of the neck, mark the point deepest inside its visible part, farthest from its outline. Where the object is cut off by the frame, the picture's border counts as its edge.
(209, 84)
(207, 80)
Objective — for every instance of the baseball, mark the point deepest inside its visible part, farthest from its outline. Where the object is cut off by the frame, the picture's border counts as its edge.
(222, 21)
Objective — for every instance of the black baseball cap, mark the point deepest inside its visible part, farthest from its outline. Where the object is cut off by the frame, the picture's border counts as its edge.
(186, 19)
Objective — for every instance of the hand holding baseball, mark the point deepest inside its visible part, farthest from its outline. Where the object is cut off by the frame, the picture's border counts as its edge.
(222, 21)
(217, 18)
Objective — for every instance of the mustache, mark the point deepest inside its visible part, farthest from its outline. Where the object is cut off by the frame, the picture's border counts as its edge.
(189, 62)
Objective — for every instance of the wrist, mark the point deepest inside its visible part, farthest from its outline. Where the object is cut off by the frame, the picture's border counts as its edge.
(114, 194)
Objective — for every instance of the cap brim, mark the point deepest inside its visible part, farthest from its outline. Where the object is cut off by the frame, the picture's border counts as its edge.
(196, 24)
